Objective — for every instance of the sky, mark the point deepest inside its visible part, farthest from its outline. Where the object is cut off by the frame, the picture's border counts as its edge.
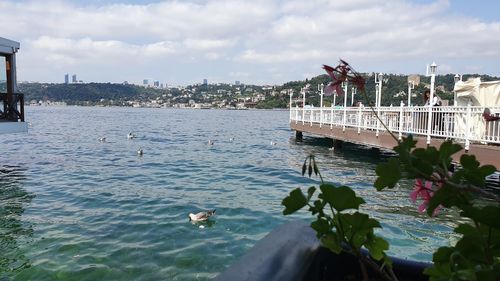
(261, 42)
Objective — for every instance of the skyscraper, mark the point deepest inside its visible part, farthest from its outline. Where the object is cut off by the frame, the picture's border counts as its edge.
(145, 82)
(73, 79)
(205, 81)
(66, 78)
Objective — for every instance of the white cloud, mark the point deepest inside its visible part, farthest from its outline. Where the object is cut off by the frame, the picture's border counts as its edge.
(294, 37)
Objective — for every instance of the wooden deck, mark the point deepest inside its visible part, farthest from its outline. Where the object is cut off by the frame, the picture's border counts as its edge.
(486, 154)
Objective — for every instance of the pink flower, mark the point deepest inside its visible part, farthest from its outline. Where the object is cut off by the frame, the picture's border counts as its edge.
(424, 190)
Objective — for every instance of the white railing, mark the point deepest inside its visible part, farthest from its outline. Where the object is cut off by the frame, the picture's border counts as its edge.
(464, 124)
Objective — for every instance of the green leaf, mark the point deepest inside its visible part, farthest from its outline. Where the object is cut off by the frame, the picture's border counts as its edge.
(430, 155)
(447, 149)
(376, 246)
(332, 242)
(321, 226)
(446, 196)
(442, 255)
(488, 215)
(388, 174)
(340, 198)
(357, 227)
(404, 148)
(294, 202)
(469, 162)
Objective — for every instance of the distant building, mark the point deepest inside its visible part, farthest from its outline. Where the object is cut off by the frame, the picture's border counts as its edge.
(205, 82)
(415, 78)
(237, 83)
(156, 84)
(73, 79)
(145, 82)
(66, 79)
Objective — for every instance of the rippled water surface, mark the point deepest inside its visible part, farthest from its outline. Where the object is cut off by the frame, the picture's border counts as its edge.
(73, 208)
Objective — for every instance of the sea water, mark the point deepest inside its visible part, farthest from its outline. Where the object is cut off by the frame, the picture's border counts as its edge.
(75, 208)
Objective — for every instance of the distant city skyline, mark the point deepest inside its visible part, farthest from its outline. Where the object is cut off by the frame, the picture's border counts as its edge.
(184, 42)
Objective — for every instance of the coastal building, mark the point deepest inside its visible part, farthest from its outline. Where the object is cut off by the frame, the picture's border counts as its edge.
(66, 78)
(11, 101)
(205, 82)
(73, 79)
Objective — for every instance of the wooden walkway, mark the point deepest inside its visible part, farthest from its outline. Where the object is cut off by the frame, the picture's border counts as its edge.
(338, 128)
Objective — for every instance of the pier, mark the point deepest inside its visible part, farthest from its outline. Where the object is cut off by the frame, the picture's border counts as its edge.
(11, 102)
(476, 128)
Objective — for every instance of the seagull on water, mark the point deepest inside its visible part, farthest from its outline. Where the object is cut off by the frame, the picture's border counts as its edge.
(210, 142)
(231, 139)
(130, 136)
(273, 143)
(140, 152)
(201, 216)
(102, 139)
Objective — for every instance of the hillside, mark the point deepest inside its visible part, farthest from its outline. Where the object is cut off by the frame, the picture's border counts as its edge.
(393, 92)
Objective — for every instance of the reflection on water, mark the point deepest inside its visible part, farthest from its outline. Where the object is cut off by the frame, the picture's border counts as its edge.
(13, 229)
(103, 213)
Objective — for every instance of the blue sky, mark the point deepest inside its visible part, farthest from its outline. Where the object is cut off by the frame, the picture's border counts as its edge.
(256, 42)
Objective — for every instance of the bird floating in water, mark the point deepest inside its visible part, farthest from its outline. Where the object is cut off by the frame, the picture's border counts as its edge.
(140, 152)
(331, 148)
(210, 142)
(201, 216)
(231, 139)
(130, 136)
(273, 143)
(102, 139)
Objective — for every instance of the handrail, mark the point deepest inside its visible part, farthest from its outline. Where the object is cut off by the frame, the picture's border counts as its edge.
(12, 110)
(464, 124)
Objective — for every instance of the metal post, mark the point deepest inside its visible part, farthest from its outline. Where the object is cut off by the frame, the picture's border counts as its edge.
(303, 105)
(379, 89)
(290, 92)
(431, 98)
(345, 106)
(353, 92)
(320, 86)
(401, 120)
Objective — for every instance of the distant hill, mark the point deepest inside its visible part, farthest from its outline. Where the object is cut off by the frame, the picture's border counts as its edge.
(393, 92)
(86, 93)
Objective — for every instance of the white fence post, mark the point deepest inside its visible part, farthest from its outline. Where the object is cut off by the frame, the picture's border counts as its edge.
(296, 114)
(359, 119)
(344, 118)
(401, 121)
(311, 117)
(320, 117)
(467, 127)
(429, 123)
(331, 118)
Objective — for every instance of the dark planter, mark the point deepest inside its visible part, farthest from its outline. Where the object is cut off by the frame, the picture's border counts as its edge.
(292, 252)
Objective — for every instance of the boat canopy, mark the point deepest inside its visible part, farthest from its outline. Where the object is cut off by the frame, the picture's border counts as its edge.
(477, 92)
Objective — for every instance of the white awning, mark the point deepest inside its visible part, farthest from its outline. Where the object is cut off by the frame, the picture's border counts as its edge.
(478, 93)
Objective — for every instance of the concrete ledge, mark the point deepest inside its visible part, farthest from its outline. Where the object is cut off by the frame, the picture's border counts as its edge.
(284, 254)
(13, 127)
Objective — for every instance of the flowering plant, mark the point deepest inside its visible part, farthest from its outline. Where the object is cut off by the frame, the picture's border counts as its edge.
(341, 227)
